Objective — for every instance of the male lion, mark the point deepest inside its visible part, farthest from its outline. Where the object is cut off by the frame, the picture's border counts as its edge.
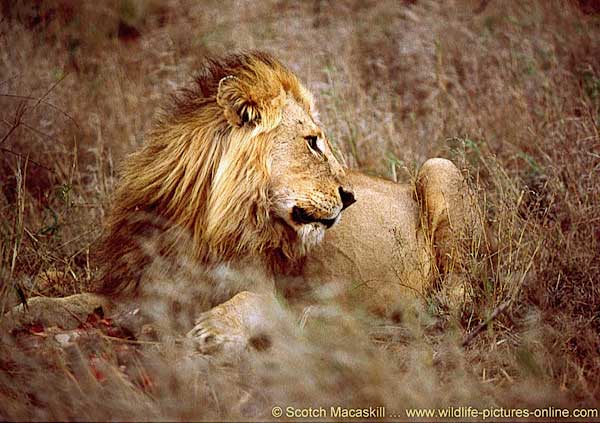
(241, 168)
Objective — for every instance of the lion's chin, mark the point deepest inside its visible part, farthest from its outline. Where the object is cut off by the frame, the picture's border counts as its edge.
(309, 235)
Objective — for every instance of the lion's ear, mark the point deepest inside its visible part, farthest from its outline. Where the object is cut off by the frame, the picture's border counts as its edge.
(250, 104)
(238, 105)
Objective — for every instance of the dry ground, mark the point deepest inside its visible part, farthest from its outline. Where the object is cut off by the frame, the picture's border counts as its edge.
(509, 90)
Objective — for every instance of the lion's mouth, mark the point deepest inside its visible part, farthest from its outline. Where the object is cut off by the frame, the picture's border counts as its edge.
(302, 217)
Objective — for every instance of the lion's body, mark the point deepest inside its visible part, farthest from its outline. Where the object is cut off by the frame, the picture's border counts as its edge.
(241, 170)
(379, 252)
(390, 246)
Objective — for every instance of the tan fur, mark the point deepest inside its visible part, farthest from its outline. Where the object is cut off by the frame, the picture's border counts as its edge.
(393, 243)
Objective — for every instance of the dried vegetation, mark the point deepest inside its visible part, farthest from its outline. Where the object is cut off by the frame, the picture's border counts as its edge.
(509, 90)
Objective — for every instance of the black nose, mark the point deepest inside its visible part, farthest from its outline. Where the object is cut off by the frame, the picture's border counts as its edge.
(347, 198)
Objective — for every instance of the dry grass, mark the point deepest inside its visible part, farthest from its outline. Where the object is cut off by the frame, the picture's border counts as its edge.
(509, 91)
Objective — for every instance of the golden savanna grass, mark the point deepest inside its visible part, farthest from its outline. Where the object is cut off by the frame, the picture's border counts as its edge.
(510, 91)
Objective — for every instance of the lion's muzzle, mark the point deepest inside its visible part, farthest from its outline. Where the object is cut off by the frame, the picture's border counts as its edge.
(302, 217)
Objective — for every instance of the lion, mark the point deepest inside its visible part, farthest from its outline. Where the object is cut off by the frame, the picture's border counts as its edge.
(241, 168)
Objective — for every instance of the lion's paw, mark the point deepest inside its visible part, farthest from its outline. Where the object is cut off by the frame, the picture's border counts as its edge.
(211, 335)
(242, 324)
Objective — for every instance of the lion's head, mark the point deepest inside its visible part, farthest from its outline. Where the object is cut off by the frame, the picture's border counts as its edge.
(239, 164)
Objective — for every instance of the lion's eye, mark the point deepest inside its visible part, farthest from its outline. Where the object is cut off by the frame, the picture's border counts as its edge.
(313, 143)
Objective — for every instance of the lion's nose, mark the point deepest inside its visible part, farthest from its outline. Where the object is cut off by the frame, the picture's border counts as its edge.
(347, 198)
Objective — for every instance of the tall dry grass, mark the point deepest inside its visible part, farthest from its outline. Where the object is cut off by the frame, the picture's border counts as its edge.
(509, 90)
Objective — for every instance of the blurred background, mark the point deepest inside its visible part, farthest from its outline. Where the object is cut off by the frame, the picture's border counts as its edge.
(509, 90)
